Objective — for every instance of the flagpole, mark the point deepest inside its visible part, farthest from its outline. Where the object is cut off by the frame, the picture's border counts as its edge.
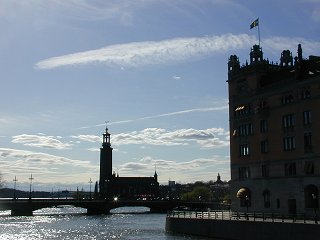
(259, 31)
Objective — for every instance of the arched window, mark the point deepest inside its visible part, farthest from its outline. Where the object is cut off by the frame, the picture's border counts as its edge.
(311, 196)
(266, 198)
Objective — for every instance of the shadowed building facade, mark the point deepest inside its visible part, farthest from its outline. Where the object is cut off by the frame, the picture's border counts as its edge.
(274, 112)
(111, 185)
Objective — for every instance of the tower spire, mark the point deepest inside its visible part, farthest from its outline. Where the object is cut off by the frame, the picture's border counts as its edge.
(106, 138)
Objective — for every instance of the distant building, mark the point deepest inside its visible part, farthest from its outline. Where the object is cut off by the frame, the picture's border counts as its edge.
(274, 112)
(220, 189)
(111, 185)
(219, 183)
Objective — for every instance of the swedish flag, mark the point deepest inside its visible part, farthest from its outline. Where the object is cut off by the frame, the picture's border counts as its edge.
(254, 23)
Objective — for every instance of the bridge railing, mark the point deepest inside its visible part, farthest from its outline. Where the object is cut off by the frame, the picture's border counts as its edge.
(252, 216)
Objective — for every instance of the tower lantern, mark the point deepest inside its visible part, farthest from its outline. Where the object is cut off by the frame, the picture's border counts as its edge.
(106, 139)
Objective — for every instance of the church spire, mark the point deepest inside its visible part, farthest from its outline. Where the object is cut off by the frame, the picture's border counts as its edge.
(155, 176)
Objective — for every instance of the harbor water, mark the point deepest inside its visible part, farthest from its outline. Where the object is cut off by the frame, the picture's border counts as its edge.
(72, 223)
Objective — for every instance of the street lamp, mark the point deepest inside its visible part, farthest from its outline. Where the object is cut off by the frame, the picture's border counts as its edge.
(247, 205)
(90, 187)
(15, 185)
(314, 197)
(30, 178)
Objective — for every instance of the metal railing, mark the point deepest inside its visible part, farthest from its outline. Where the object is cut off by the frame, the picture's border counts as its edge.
(243, 216)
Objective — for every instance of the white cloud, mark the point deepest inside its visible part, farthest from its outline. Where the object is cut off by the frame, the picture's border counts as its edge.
(206, 138)
(47, 167)
(178, 171)
(176, 77)
(278, 44)
(88, 138)
(137, 54)
(40, 141)
(170, 51)
(155, 136)
(39, 157)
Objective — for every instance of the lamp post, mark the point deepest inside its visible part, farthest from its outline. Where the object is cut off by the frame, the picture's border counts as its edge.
(247, 205)
(314, 197)
(15, 185)
(90, 188)
(30, 178)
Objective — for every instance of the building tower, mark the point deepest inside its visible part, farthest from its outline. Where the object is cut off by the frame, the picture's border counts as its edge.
(105, 179)
(274, 124)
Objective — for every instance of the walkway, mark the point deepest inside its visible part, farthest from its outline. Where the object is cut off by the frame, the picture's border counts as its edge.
(241, 216)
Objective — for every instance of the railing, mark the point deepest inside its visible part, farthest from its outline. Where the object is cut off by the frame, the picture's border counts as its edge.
(228, 215)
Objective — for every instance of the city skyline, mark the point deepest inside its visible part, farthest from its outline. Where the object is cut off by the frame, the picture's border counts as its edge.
(155, 71)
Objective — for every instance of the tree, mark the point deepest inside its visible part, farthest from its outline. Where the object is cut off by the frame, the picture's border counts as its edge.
(202, 193)
(1, 181)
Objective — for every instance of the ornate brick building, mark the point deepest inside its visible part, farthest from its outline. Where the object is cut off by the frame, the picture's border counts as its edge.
(274, 112)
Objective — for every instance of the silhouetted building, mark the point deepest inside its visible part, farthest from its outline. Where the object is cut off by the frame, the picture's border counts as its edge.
(274, 112)
(219, 189)
(111, 185)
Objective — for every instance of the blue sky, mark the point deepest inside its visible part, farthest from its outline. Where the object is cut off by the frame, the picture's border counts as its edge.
(155, 69)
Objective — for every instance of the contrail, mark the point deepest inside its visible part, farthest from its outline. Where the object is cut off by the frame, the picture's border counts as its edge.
(224, 107)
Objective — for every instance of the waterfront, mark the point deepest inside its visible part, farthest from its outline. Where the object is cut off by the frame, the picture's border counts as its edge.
(72, 223)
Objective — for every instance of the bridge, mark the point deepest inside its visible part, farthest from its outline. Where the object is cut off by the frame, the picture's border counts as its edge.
(25, 207)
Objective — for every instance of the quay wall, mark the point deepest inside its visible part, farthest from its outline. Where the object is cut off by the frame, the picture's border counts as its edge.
(241, 230)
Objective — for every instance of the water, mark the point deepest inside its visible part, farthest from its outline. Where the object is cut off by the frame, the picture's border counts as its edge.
(72, 223)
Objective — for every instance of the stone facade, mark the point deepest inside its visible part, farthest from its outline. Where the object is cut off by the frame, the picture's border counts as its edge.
(275, 125)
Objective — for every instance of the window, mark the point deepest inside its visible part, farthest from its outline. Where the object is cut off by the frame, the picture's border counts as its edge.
(290, 169)
(244, 150)
(242, 110)
(289, 143)
(261, 107)
(263, 126)
(265, 170)
(245, 129)
(306, 118)
(244, 172)
(309, 167)
(307, 142)
(288, 121)
(288, 98)
(305, 94)
(266, 198)
(264, 146)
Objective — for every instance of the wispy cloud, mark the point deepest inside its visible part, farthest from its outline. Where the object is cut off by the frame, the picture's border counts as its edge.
(206, 138)
(193, 110)
(40, 158)
(46, 168)
(152, 52)
(88, 138)
(170, 51)
(40, 141)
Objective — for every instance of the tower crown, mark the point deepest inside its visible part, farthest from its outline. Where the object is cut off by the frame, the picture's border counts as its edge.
(106, 139)
(256, 54)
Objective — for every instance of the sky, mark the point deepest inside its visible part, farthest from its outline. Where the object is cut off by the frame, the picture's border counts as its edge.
(153, 71)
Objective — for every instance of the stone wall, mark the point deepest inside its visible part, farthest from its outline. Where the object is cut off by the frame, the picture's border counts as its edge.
(242, 230)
